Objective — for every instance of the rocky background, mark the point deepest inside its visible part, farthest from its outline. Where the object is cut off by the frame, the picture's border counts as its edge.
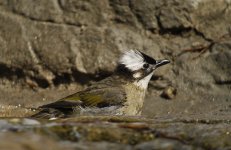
(50, 49)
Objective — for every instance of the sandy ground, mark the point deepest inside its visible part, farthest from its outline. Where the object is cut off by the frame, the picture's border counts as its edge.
(19, 102)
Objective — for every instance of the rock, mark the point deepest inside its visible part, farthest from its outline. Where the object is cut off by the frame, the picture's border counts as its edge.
(28, 141)
(97, 145)
(50, 49)
(30, 122)
(163, 144)
(102, 132)
(175, 15)
(169, 93)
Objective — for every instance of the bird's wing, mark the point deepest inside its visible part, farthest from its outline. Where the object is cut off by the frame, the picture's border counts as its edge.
(100, 94)
(101, 97)
(98, 97)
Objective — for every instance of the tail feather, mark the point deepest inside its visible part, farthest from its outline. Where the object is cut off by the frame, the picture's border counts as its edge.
(49, 113)
(58, 109)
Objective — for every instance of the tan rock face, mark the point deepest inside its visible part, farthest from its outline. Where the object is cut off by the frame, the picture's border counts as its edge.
(52, 48)
(49, 47)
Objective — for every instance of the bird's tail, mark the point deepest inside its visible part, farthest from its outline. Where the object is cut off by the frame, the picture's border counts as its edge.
(48, 113)
(58, 109)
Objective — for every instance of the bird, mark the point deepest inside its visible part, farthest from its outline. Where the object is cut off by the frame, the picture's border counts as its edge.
(122, 93)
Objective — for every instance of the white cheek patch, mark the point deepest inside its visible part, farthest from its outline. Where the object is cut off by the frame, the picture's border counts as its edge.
(132, 59)
(137, 75)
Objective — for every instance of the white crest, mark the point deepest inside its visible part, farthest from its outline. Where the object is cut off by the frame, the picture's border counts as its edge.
(132, 59)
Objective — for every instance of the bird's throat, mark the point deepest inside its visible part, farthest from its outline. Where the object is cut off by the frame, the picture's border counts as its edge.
(143, 83)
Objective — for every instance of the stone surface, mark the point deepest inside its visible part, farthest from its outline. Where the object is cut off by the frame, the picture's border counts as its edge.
(48, 44)
(110, 132)
(50, 49)
(28, 141)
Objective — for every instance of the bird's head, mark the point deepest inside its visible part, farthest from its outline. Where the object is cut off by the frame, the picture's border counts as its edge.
(138, 66)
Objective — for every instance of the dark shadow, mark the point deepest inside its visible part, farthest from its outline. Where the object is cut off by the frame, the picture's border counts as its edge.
(85, 78)
(10, 73)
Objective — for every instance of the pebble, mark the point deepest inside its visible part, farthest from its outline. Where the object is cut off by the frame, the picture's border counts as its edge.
(169, 92)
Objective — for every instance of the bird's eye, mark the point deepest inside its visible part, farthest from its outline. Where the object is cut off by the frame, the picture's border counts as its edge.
(145, 66)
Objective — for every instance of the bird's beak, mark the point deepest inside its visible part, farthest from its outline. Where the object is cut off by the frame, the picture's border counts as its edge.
(161, 62)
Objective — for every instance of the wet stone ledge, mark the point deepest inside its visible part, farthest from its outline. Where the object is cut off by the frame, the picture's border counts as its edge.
(103, 132)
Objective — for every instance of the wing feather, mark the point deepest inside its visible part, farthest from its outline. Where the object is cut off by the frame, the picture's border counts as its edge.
(91, 98)
(108, 92)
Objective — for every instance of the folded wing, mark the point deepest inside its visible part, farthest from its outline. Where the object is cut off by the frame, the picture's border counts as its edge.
(91, 97)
